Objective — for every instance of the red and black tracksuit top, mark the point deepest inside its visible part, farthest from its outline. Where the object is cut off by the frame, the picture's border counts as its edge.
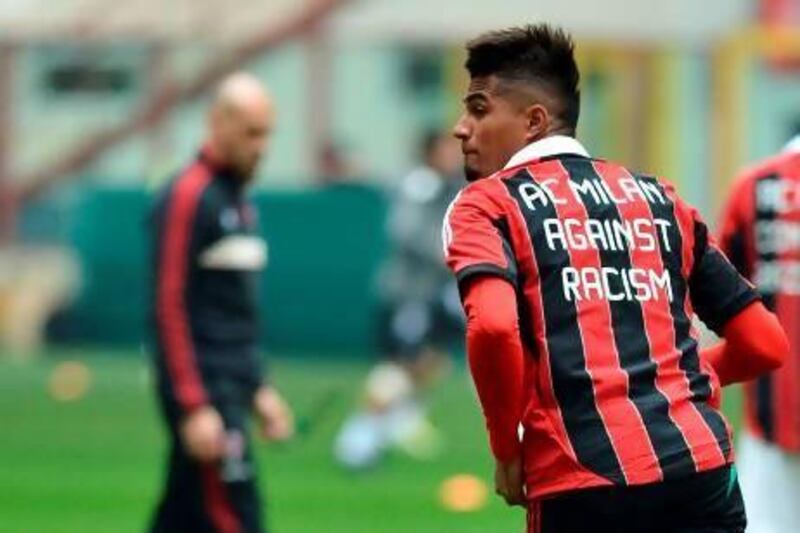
(204, 312)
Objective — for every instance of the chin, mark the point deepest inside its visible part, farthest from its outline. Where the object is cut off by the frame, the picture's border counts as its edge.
(472, 174)
(248, 172)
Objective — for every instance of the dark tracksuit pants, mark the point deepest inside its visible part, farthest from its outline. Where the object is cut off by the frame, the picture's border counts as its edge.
(220, 497)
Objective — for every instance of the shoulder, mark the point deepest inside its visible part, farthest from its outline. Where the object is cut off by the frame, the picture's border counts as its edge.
(743, 185)
(486, 196)
(492, 187)
(190, 192)
(653, 185)
(193, 181)
(767, 167)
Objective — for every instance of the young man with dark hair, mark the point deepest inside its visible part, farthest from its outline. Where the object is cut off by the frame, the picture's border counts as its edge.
(580, 279)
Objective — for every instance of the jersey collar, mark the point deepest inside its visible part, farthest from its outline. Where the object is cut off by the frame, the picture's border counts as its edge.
(218, 168)
(547, 147)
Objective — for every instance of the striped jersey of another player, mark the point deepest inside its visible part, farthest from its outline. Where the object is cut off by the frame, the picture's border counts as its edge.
(760, 232)
(609, 268)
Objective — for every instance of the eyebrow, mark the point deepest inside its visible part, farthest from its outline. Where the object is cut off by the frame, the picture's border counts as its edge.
(476, 95)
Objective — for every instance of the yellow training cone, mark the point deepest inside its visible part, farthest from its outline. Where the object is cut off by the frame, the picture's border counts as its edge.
(463, 493)
(69, 381)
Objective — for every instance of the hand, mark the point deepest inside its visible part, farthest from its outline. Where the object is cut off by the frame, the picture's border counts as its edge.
(277, 422)
(715, 400)
(508, 481)
(203, 434)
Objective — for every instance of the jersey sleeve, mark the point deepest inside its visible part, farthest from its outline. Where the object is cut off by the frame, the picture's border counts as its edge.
(183, 227)
(496, 361)
(475, 237)
(742, 356)
(717, 291)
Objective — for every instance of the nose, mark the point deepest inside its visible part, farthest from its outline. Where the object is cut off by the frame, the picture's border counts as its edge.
(461, 129)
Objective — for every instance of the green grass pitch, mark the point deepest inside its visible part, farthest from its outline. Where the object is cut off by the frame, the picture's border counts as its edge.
(94, 465)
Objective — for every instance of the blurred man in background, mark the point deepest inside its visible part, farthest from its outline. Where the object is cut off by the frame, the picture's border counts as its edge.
(420, 318)
(760, 233)
(207, 260)
(336, 165)
(579, 280)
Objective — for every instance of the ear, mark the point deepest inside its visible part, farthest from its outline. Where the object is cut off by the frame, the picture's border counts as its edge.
(538, 122)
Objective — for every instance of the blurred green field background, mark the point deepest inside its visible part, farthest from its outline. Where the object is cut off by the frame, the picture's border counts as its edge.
(94, 465)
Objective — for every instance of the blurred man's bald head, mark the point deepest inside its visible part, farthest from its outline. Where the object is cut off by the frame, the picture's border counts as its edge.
(242, 91)
(240, 123)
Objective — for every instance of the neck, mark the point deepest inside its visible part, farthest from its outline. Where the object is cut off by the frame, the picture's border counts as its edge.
(556, 130)
(212, 154)
(222, 168)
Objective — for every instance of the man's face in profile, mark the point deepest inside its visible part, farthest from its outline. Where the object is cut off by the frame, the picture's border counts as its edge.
(492, 128)
(243, 134)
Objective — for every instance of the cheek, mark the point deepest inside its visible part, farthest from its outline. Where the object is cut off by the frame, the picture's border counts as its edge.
(490, 137)
(510, 136)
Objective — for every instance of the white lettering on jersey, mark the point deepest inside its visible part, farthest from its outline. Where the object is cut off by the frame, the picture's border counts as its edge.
(591, 283)
(235, 252)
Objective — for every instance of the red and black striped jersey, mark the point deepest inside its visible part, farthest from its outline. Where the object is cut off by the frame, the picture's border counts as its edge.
(760, 232)
(609, 268)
